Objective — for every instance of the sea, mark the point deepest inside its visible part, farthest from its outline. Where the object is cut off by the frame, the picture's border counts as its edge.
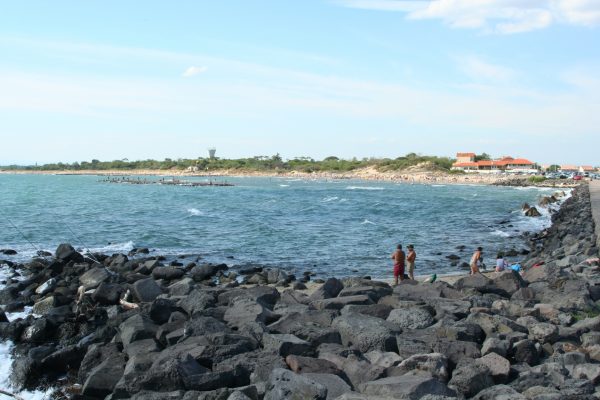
(328, 227)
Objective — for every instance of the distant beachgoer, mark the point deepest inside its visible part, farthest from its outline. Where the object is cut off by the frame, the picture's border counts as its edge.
(476, 260)
(410, 260)
(501, 263)
(398, 256)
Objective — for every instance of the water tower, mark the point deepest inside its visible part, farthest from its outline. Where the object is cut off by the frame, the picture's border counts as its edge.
(211, 152)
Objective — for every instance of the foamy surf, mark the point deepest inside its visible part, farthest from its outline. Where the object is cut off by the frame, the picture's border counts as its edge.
(114, 247)
(282, 185)
(364, 188)
(330, 198)
(367, 222)
(194, 212)
(500, 233)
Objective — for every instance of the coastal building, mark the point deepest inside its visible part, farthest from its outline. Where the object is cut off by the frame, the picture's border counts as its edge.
(568, 168)
(466, 162)
(586, 168)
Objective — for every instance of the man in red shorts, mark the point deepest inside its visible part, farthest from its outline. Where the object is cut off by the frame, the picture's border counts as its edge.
(398, 258)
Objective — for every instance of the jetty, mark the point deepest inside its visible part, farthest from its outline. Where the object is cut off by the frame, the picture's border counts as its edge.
(162, 181)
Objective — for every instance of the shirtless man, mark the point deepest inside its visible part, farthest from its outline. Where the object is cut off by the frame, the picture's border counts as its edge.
(475, 261)
(410, 259)
(398, 258)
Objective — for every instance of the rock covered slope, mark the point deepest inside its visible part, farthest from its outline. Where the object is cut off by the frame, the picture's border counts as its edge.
(120, 328)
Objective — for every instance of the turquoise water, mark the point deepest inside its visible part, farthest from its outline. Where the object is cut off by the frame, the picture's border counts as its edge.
(343, 227)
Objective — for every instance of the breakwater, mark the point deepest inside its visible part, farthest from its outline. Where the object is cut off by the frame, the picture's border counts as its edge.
(136, 328)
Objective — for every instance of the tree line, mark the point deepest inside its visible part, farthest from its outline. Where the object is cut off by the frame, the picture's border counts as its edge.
(257, 163)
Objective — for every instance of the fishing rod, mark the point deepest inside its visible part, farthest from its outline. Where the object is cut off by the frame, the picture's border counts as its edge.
(20, 232)
(89, 252)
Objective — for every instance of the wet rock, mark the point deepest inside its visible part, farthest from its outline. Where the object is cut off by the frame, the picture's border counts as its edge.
(65, 252)
(206, 271)
(103, 379)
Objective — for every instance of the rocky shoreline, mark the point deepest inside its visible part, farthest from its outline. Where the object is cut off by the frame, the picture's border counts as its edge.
(130, 327)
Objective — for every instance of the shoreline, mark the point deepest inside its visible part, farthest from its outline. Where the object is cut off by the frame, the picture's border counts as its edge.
(408, 176)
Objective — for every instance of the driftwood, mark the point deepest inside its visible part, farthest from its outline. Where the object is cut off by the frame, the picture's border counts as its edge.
(127, 305)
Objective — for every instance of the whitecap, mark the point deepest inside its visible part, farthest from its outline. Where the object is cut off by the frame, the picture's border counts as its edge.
(284, 185)
(438, 185)
(114, 247)
(475, 195)
(195, 212)
(6, 361)
(367, 222)
(343, 200)
(330, 198)
(364, 188)
(500, 233)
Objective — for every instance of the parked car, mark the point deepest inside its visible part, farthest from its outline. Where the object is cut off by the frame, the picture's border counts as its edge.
(577, 177)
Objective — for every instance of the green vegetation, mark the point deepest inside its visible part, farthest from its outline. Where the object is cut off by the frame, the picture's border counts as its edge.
(591, 312)
(482, 157)
(537, 179)
(258, 163)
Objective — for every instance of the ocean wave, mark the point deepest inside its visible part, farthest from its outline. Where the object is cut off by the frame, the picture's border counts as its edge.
(438, 185)
(367, 222)
(282, 185)
(114, 247)
(330, 198)
(500, 233)
(195, 212)
(364, 188)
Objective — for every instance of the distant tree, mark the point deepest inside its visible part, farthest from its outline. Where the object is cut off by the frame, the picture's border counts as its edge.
(482, 157)
(553, 168)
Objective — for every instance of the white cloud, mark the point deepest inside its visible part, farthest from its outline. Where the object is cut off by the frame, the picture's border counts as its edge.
(192, 71)
(499, 16)
(479, 69)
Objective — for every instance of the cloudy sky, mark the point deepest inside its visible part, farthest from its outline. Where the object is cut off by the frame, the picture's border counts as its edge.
(353, 78)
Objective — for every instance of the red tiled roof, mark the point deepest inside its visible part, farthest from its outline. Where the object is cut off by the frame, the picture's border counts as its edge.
(573, 167)
(587, 167)
(517, 161)
(465, 154)
(465, 164)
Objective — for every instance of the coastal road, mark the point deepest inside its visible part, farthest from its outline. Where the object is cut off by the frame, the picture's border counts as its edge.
(595, 200)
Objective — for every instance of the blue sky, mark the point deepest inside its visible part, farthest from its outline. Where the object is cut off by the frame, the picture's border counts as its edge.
(352, 78)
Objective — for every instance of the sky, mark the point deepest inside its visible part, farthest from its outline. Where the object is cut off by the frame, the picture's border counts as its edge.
(107, 80)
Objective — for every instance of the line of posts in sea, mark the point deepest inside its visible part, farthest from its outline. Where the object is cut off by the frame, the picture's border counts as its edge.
(162, 181)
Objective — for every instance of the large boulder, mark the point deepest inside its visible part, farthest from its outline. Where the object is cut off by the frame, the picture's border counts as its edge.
(206, 271)
(304, 365)
(102, 380)
(498, 366)
(107, 294)
(145, 290)
(331, 288)
(137, 327)
(503, 392)
(335, 385)
(245, 310)
(337, 303)
(367, 333)
(470, 377)
(412, 318)
(284, 384)
(167, 273)
(94, 277)
(65, 252)
(197, 301)
(509, 281)
(286, 344)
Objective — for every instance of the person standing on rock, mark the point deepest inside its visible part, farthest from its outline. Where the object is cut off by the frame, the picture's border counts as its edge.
(410, 260)
(398, 256)
(476, 260)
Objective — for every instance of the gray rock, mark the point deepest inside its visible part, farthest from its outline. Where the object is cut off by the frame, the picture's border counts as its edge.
(286, 344)
(374, 292)
(103, 379)
(335, 385)
(509, 281)
(495, 345)
(435, 364)
(374, 310)
(590, 339)
(42, 307)
(245, 310)
(107, 294)
(94, 277)
(494, 324)
(412, 318)
(383, 359)
(206, 271)
(196, 301)
(366, 333)
(456, 350)
(525, 351)
(284, 384)
(46, 287)
(182, 287)
(413, 385)
(499, 392)
(543, 332)
(167, 273)
(498, 366)
(337, 303)
(136, 328)
(357, 368)
(470, 377)
(330, 289)
(145, 290)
